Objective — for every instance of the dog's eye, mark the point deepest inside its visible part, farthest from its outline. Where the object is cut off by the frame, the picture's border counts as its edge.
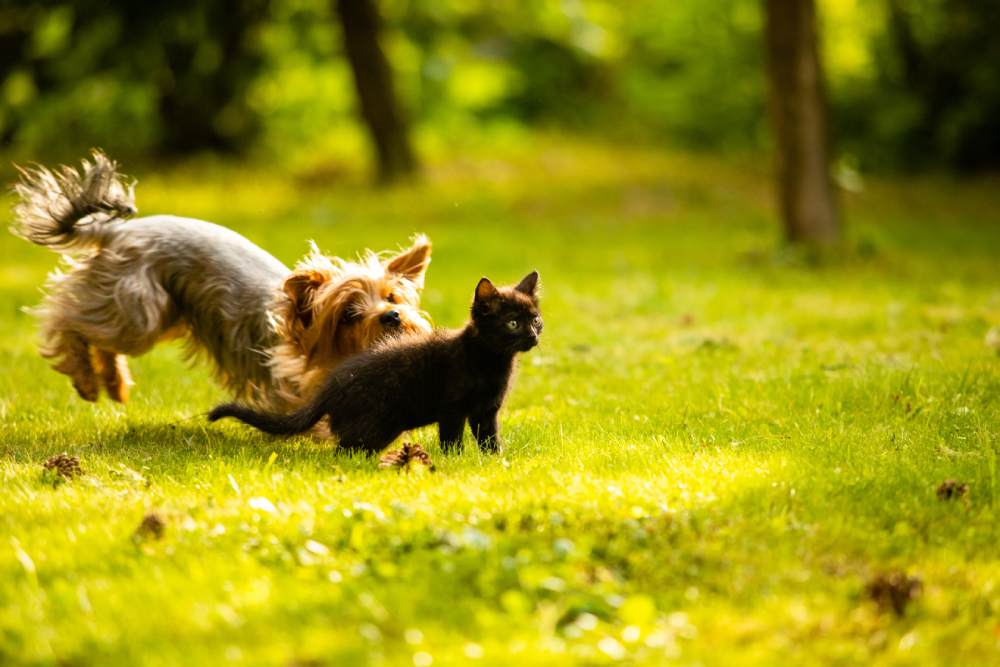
(347, 317)
(537, 321)
(391, 298)
(513, 325)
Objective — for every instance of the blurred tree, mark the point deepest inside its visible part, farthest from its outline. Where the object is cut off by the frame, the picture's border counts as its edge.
(29, 35)
(373, 80)
(163, 75)
(209, 60)
(798, 117)
(912, 83)
(948, 56)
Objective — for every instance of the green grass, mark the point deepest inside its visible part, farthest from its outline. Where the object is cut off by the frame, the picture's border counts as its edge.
(715, 448)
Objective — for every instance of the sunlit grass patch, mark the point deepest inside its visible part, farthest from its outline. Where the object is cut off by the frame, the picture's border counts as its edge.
(708, 459)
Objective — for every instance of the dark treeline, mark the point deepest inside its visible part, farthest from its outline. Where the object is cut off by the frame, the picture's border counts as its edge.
(183, 76)
(165, 74)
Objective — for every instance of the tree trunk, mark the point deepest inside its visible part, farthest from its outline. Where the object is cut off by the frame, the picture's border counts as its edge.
(373, 80)
(798, 117)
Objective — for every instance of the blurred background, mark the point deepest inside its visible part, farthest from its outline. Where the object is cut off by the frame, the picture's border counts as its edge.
(822, 92)
(912, 84)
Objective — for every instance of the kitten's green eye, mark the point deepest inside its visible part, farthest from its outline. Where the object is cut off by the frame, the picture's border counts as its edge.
(513, 325)
(391, 298)
(536, 321)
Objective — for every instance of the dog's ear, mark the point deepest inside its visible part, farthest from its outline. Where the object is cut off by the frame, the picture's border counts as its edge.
(529, 285)
(301, 288)
(412, 264)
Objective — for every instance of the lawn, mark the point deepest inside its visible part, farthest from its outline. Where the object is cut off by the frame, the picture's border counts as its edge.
(717, 447)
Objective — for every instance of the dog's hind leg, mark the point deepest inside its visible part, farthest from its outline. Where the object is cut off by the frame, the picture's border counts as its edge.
(113, 369)
(73, 350)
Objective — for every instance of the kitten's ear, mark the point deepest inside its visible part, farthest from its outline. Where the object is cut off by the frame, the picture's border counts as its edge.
(412, 264)
(300, 287)
(529, 285)
(485, 291)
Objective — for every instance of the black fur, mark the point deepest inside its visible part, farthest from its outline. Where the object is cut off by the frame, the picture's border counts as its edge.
(447, 377)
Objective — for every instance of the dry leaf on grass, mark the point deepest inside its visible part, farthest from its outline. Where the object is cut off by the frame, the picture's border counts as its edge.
(63, 465)
(404, 457)
(894, 590)
(952, 489)
(152, 526)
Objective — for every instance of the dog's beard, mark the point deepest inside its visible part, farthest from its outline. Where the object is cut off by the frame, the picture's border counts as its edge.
(375, 333)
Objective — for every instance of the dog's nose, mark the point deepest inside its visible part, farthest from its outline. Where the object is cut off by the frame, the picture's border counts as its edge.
(390, 318)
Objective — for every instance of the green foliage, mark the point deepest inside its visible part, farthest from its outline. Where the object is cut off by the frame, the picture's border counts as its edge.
(911, 82)
(712, 452)
(933, 100)
(646, 69)
(164, 75)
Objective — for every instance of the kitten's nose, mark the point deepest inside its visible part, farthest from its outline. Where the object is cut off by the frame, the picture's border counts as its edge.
(390, 318)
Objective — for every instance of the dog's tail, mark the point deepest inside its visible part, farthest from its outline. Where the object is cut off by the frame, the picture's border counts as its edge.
(272, 422)
(60, 208)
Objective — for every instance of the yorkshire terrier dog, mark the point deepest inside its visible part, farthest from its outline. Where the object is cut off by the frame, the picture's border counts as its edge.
(130, 284)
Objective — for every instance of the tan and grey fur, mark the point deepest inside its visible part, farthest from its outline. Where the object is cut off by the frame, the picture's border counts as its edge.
(129, 284)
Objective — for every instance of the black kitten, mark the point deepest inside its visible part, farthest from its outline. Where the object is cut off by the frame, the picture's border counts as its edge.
(447, 377)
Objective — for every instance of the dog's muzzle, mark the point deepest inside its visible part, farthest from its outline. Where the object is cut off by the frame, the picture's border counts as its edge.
(390, 318)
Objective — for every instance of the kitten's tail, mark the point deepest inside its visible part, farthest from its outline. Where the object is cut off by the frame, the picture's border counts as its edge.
(272, 422)
(63, 209)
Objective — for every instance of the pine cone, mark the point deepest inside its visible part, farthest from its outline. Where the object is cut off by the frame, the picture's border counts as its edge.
(402, 458)
(152, 526)
(894, 590)
(64, 465)
(952, 488)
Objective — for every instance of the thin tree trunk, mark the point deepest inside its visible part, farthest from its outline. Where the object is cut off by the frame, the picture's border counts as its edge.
(373, 80)
(798, 118)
